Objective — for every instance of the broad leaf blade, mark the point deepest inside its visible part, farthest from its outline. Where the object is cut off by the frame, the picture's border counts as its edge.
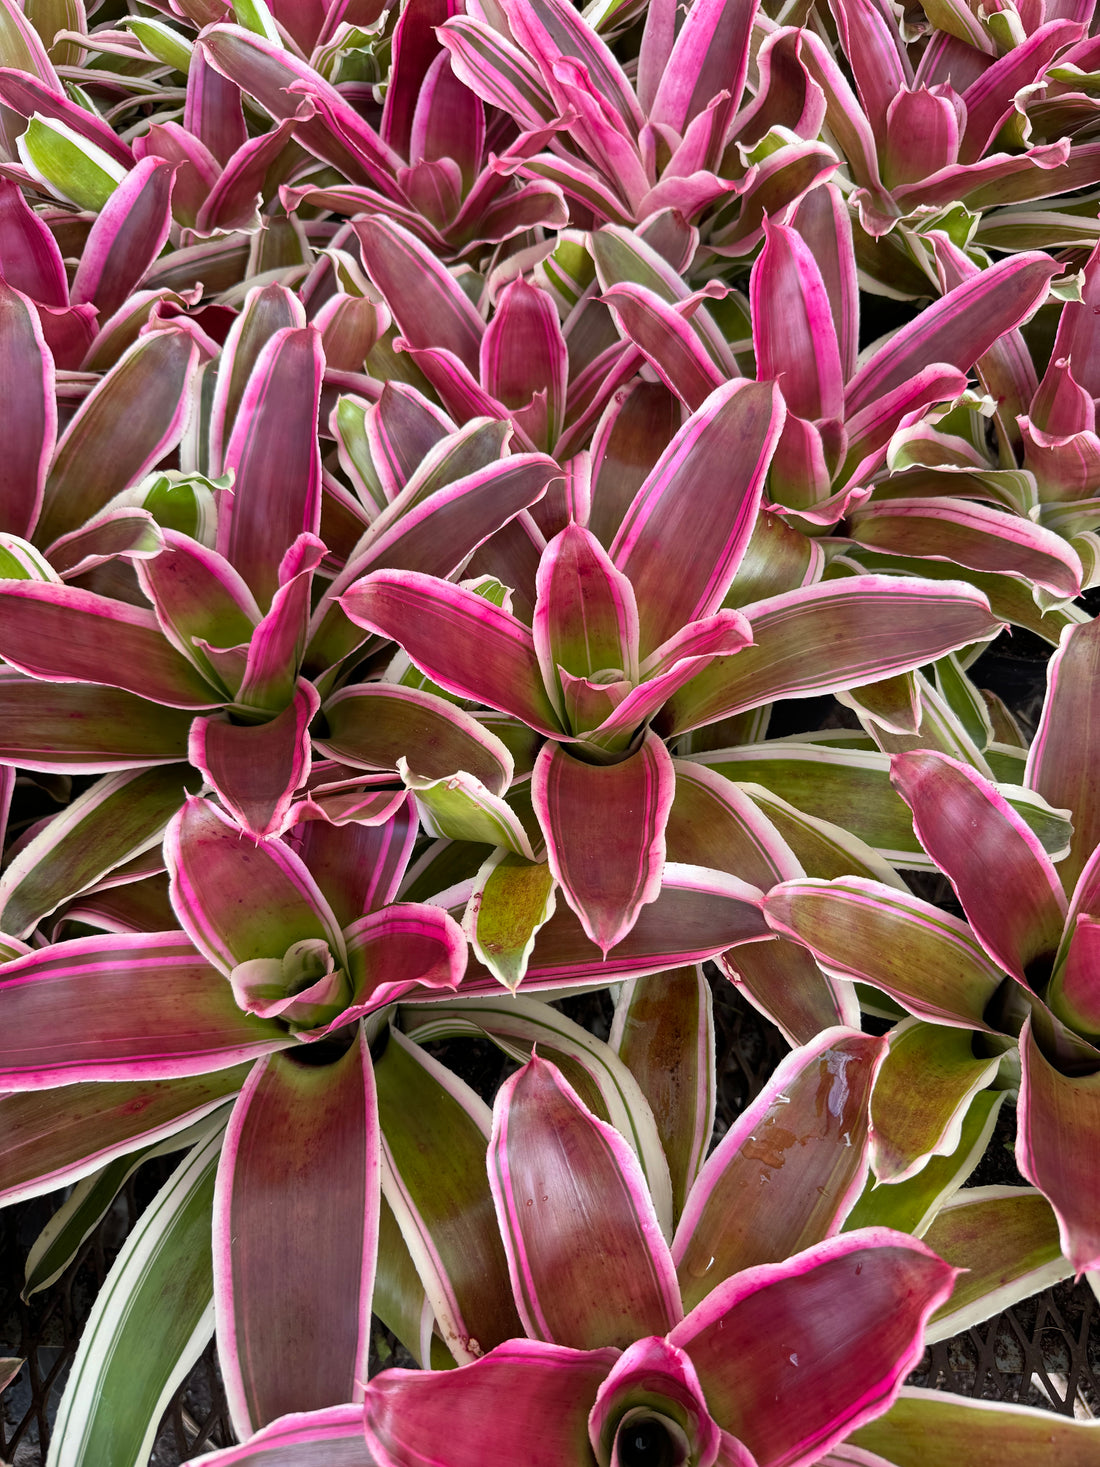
(145, 1007)
(1059, 1119)
(923, 1092)
(53, 1138)
(241, 899)
(844, 1322)
(434, 1140)
(926, 959)
(588, 1264)
(932, 1429)
(1004, 879)
(684, 535)
(332, 1438)
(605, 832)
(418, 1416)
(664, 1033)
(1005, 1239)
(297, 1261)
(835, 635)
(787, 1172)
(1064, 758)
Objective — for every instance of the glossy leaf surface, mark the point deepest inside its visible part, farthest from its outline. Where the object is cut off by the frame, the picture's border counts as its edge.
(588, 1264)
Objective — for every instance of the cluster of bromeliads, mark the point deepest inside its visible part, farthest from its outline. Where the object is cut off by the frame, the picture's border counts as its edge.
(434, 438)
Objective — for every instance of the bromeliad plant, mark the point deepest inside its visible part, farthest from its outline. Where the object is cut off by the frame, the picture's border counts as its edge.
(702, 1326)
(627, 647)
(286, 964)
(612, 1366)
(1025, 965)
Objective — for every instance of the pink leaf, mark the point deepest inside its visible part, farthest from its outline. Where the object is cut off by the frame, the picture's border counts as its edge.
(974, 535)
(274, 453)
(651, 1374)
(276, 646)
(198, 598)
(277, 80)
(843, 1322)
(790, 1168)
(415, 1417)
(212, 109)
(400, 949)
(783, 981)
(709, 56)
(959, 327)
(449, 122)
(698, 914)
(359, 867)
(256, 768)
(589, 1266)
(928, 960)
(668, 340)
(68, 726)
(427, 303)
(921, 134)
(609, 868)
(434, 1136)
(550, 29)
(116, 1008)
(990, 100)
(824, 223)
(878, 60)
(415, 49)
(1059, 1119)
(664, 1032)
(793, 329)
(28, 427)
(372, 725)
(30, 260)
(127, 236)
(326, 1438)
(52, 1138)
(831, 636)
(523, 352)
(1004, 879)
(459, 639)
(586, 619)
(1062, 763)
(241, 900)
(685, 533)
(29, 97)
(132, 418)
(497, 70)
(297, 1261)
(64, 634)
(230, 203)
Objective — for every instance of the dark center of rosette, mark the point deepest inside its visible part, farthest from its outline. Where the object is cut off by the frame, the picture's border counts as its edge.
(648, 1441)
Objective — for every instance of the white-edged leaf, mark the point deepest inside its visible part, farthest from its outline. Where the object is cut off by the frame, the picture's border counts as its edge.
(517, 1024)
(148, 1326)
(59, 1241)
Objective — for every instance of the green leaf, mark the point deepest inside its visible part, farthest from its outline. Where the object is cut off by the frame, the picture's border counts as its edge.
(912, 1205)
(148, 1326)
(511, 901)
(69, 164)
(57, 1244)
(1005, 1239)
(162, 41)
(257, 18)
